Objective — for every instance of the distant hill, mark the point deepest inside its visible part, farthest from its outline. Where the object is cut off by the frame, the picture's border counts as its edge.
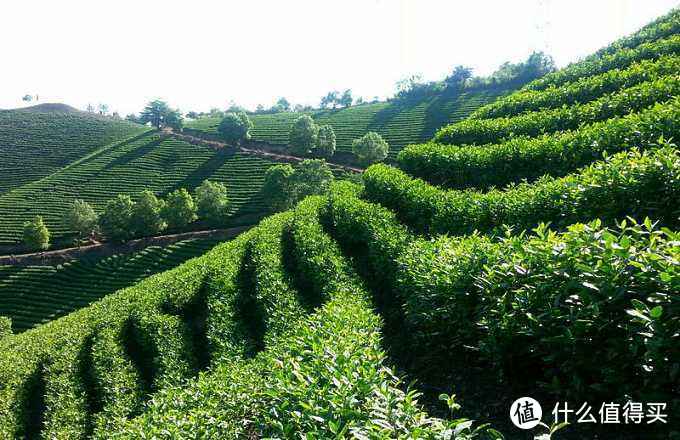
(37, 141)
(399, 122)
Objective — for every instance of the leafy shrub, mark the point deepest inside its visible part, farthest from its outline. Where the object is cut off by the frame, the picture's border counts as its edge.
(311, 176)
(482, 131)
(303, 136)
(370, 148)
(482, 167)
(582, 90)
(115, 221)
(629, 183)
(325, 143)
(36, 235)
(235, 127)
(212, 202)
(145, 217)
(277, 187)
(179, 209)
(81, 218)
(5, 326)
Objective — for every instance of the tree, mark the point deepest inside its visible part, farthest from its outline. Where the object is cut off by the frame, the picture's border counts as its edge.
(103, 109)
(146, 218)
(458, 77)
(179, 209)
(346, 98)
(302, 136)
(81, 218)
(259, 108)
(27, 98)
(370, 148)
(36, 235)
(325, 142)
(312, 176)
(116, 220)
(158, 113)
(192, 115)
(212, 201)
(330, 99)
(132, 118)
(282, 105)
(277, 187)
(235, 127)
(90, 108)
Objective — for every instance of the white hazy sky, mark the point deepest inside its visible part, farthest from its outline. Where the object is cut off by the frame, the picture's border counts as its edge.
(200, 54)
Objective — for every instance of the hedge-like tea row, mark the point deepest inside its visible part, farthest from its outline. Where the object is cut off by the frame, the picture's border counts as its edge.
(484, 131)
(628, 183)
(617, 60)
(482, 167)
(533, 307)
(583, 90)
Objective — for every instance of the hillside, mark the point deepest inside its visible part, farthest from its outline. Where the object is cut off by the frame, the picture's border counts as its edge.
(529, 251)
(50, 138)
(399, 122)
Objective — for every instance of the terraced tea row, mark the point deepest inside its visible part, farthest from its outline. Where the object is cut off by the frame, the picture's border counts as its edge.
(37, 294)
(50, 141)
(160, 165)
(400, 123)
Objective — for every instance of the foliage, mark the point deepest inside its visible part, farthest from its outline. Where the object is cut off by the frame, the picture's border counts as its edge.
(212, 202)
(370, 148)
(458, 77)
(5, 326)
(277, 187)
(159, 114)
(146, 218)
(81, 218)
(303, 136)
(36, 235)
(235, 127)
(482, 167)
(179, 209)
(325, 142)
(311, 176)
(115, 221)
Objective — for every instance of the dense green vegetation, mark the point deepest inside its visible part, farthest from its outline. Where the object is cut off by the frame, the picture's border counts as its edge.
(34, 295)
(150, 162)
(399, 122)
(51, 140)
(300, 325)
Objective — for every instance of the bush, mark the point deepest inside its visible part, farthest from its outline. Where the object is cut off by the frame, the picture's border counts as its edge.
(5, 326)
(116, 220)
(36, 235)
(325, 144)
(631, 183)
(179, 209)
(311, 176)
(481, 167)
(81, 218)
(370, 148)
(636, 98)
(277, 189)
(303, 136)
(146, 216)
(235, 127)
(213, 202)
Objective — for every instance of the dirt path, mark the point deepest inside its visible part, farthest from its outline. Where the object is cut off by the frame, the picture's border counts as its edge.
(51, 258)
(253, 150)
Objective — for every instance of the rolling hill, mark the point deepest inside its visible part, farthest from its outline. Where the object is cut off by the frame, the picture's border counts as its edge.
(49, 138)
(399, 122)
(551, 272)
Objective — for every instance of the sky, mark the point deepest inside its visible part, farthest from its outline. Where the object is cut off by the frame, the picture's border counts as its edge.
(201, 54)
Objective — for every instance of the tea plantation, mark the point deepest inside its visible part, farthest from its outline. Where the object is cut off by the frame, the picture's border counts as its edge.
(49, 141)
(399, 122)
(530, 250)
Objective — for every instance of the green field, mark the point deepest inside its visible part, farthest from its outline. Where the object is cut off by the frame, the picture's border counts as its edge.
(400, 123)
(33, 295)
(50, 141)
(553, 272)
